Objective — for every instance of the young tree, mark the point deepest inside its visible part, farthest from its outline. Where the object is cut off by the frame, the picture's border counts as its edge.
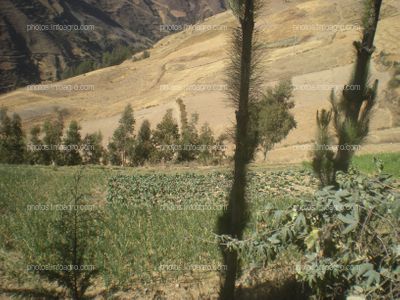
(323, 161)
(72, 144)
(166, 138)
(5, 132)
(113, 155)
(12, 144)
(189, 136)
(92, 150)
(144, 146)
(71, 242)
(52, 140)
(189, 141)
(18, 146)
(123, 137)
(274, 120)
(243, 90)
(35, 156)
(220, 151)
(207, 141)
(351, 113)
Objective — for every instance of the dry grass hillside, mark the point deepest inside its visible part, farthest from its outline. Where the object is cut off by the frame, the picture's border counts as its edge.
(196, 58)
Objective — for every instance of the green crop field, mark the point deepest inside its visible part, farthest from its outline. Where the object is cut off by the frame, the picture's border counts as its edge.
(153, 227)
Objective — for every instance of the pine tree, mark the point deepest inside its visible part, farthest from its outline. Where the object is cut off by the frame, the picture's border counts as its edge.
(72, 144)
(92, 150)
(352, 112)
(166, 138)
(243, 87)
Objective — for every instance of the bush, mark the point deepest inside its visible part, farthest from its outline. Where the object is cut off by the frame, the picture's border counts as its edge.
(116, 56)
(146, 54)
(83, 67)
(349, 238)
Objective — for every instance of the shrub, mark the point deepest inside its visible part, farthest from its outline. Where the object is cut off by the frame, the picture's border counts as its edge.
(81, 68)
(59, 244)
(146, 54)
(349, 238)
(116, 56)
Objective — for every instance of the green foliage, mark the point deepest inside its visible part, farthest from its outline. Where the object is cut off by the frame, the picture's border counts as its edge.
(323, 156)
(144, 147)
(92, 150)
(130, 243)
(109, 58)
(390, 161)
(116, 56)
(349, 238)
(189, 141)
(206, 138)
(123, 138)
(72, 143)
(146, 54)
(162, 189)
(189, 136)
(5, 132)
(53, 132)
(166, 138)
(113, 155)
(273, 117)
(82, 68)
(59, 244)
(237, 7)
(12, 144)
(147, 190)
(352, 112)
(35, 157)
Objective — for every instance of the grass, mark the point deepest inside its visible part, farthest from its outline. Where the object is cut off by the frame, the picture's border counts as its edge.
(391, 163)
(365, 163)
(132, 244)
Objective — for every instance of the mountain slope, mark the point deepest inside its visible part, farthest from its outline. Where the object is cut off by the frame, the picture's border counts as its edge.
(190, 65)
(31, 56)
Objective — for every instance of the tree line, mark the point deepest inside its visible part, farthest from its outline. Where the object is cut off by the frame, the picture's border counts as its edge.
(171, 141)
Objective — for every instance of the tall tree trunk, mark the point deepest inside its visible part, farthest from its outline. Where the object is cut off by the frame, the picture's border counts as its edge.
(352, 112)
(234, 220)
(360, 98)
